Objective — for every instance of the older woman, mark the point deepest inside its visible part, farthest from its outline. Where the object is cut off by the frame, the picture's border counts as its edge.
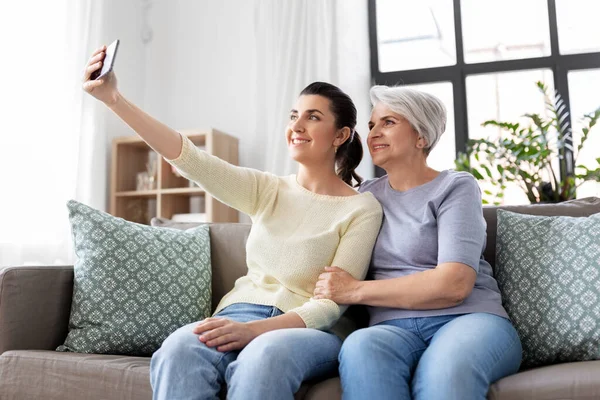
(437, 327)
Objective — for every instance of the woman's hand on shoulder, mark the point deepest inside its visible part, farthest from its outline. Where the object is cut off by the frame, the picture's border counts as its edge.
(337, 285)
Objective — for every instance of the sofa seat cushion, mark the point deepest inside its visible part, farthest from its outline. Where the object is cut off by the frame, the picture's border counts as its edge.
(52, 375)
(573, 381)
(41, 374)
(328, 389)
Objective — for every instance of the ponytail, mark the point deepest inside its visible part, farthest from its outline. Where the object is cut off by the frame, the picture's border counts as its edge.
(347, 158)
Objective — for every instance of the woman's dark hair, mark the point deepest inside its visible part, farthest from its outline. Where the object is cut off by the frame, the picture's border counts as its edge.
(350, 153)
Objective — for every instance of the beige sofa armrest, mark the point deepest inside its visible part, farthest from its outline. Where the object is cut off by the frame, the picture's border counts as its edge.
(35, 303)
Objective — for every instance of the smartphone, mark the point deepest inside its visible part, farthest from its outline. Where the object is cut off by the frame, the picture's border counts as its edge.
(109, 61)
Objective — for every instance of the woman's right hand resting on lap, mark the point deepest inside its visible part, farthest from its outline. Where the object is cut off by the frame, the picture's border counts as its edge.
(104, 89)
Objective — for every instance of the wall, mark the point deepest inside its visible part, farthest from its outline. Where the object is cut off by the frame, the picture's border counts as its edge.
(201, 68)
(120, 20)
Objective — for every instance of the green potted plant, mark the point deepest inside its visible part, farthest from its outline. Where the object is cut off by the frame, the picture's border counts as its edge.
(531, 156)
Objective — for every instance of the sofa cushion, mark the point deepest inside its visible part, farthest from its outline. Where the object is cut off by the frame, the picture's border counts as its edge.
(572, 208)
(573, 381)
(325, 390)
(34, 306)
(50, 375)
(548, 270)
(227, 249)
(134, 284)
(39, 374)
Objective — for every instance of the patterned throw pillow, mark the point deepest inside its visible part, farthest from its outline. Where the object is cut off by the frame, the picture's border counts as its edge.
(134, 284)
(548, 270)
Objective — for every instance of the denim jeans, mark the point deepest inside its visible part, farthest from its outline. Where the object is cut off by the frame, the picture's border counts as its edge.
(272, 366)
(446, 357)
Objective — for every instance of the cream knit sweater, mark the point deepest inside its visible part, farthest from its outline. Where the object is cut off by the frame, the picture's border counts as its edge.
(295, 233)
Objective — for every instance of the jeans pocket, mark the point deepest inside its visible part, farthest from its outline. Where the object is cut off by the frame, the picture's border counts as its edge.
(275, 312)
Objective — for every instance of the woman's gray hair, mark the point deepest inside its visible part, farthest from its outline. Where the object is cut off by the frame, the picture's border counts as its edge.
(425, 112)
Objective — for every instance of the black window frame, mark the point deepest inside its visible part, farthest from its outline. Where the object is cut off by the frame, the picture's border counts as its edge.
(560, 64)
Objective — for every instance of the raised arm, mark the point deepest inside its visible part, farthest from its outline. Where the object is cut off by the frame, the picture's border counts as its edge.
(241, 188)
(244, 189)
(164, 140)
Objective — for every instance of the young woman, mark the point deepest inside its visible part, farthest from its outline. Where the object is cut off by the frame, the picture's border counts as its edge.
(437, 326)
(268, 334)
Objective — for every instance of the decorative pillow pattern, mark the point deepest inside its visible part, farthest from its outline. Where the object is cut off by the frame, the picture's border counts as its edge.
(134, 284)
(548, 270)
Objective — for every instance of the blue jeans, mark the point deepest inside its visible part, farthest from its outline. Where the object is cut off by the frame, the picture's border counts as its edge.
(445, 357)
(272, 366)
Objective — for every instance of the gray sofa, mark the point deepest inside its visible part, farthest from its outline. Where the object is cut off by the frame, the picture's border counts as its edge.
(34, 313)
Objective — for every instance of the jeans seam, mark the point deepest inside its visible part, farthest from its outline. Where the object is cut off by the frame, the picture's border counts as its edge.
(334, 360)
(422, 349)
(504, 354)
(418, 329)
(219, 361)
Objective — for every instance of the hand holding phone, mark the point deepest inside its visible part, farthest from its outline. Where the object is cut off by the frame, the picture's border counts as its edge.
(99, 79)
(108, 62)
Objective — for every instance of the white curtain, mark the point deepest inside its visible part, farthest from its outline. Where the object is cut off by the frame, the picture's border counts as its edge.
(299, 42)
(53, 137)
(46, 133)
(239, 66)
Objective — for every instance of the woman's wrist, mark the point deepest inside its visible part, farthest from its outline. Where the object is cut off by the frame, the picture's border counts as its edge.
(358, 292)
(284, 321)
(256, 327)
(118, 98)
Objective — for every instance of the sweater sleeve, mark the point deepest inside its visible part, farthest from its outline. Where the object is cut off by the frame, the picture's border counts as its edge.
(244, 189)
(353, 255)
(461, 227)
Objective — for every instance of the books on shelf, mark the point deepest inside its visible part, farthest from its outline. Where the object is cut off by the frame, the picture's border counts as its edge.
(144, 185)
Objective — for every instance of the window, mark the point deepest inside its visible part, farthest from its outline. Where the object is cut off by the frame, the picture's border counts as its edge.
(504, 96)
(488, 37)
(442, 155)
(488, 69)
(578, 28)
(584, 87)
(415, 34)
